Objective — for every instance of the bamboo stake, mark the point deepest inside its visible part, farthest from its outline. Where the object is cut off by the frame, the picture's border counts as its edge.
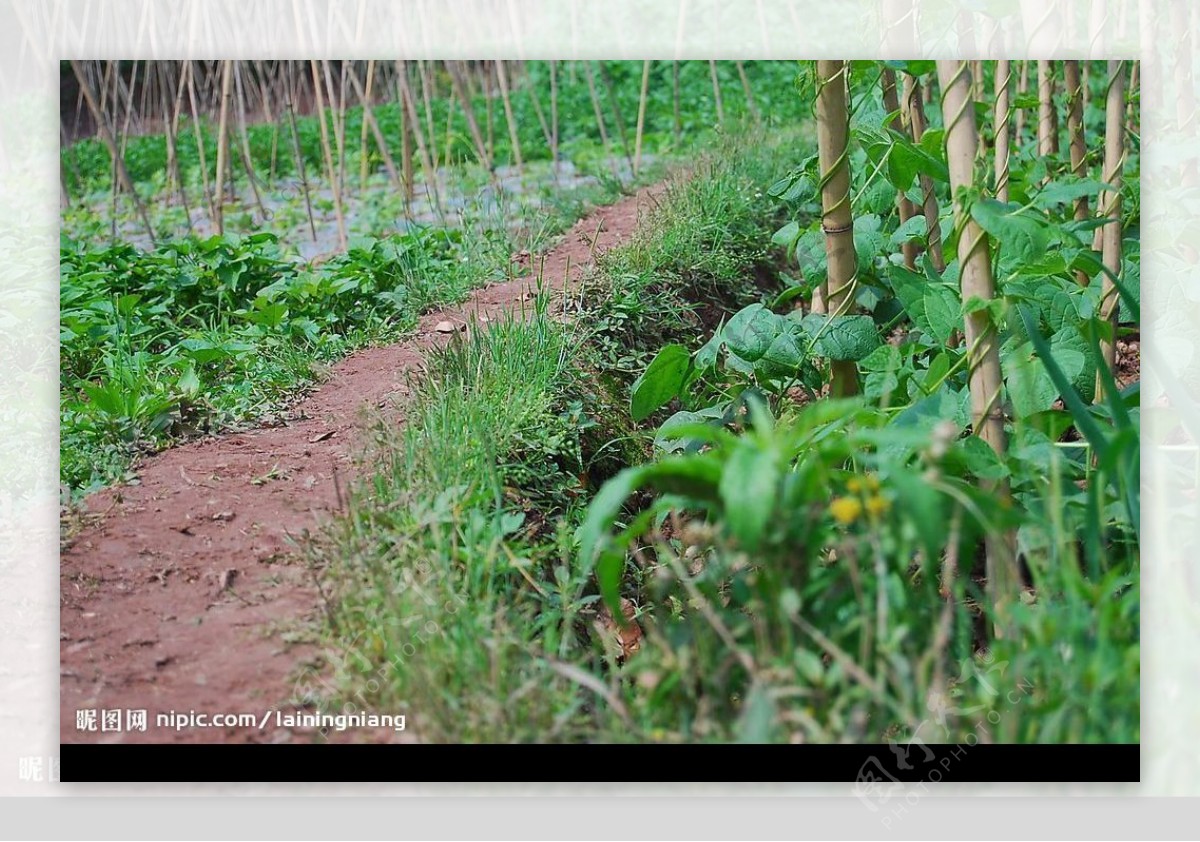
(1003, 84)
(191, 88)
(489, 99)
(751, 104)
(502, 76)
(120, 173)
(328, 154)
(716, 85)
(837, 220)
(1078, 146)
(675, 101)
(1022, 88)
(541, 118)
(427, 97)
(337, 117)
(223, 142)
(1114, 163)
(428, 166)
(365, 98)
(615, 104)
(299, 153)
(1047, 139)
(641, 117)
(554, 115)
(906, 209)
(170, 128)
(369, 122)
(983, 356)
(591, 82)
(929, 204)
(406, 144)
(247, 161)
(458, 86)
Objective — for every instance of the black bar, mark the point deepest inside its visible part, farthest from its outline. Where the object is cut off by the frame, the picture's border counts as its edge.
(868, 766)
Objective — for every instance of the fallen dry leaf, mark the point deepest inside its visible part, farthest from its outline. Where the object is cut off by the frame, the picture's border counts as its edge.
(223, 516)
(446, 327)
(322, 436)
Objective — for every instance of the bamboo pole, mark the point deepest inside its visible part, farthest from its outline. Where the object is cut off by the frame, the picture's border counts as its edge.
(541, 117)
(427, 97)
(750, 103)
(837, 220)
(406, 144)
(1114, 163)
(641, 117)
(247, 162)
(328, 154)
(905, 208)
(1047, 137)
(675, 102)
(1003, 84)
(120, 172)
(591, 83)
(554, 114)
(1022, 88)
(1078, 146)
(983, 356)
(716, 85)
(369, 122)
(615, 104)
(513, 138)
(301, 168)
(365, 99)
(913, 97)
(170, 130)
(458, 86)
(223, 142)
(196, 130)
(428, 165)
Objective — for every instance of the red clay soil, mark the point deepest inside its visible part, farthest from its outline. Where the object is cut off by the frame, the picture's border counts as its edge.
(178, 592)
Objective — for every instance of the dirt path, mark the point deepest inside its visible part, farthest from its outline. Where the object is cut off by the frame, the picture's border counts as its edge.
(178, 593)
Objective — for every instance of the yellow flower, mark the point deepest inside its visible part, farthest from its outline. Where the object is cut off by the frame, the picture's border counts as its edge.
(854, 485)
(877, 505)
(845, 509)
(872, 482)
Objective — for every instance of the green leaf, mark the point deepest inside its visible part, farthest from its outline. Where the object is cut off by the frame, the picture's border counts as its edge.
(787, 235)
(660, 382)
(751, 331)
(1023, 236)
(933, 306)
(782, 359)
(842, 337)
(749, 485)
(915, 228)
(923, 506)
(706, 357)
(757, 719)
(1067, 189)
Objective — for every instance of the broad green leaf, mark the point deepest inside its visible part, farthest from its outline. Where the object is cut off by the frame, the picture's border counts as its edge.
(787, 235)
(660, 382)
(933, 306)
(782, 358)
(751, 331)
(706, 357)
(842, 337)
(915, 228)
(749, 486)
(1025, 238)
